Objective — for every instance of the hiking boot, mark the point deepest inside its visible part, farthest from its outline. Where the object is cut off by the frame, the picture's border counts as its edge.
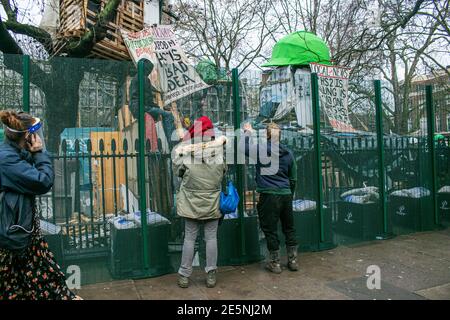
(292, 258)
(183, 282)
(211, 279)
(273, 265)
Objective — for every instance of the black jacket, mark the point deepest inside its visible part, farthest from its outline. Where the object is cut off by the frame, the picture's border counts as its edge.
(276, 169)
(23, 172)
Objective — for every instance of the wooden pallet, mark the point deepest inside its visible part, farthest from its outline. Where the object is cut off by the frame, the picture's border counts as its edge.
(130, 17)
(72, 15)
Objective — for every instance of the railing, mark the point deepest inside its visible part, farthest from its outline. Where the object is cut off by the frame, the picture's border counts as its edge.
(103, 175)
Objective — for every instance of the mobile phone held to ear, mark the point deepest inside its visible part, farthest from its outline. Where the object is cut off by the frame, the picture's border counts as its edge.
(29, 138)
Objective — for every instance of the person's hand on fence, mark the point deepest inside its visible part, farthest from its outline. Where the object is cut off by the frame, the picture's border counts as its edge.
(248, 127)
(35, 144)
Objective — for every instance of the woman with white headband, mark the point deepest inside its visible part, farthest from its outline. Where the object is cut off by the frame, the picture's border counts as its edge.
(28, 270)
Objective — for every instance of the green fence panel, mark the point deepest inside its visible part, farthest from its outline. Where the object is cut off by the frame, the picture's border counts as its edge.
(112, 210)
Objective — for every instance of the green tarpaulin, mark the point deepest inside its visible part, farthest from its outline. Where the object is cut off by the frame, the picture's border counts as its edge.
(209, 72)
(299, 48)
(2, 135)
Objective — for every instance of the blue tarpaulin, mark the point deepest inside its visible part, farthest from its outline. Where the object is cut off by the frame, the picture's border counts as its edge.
(83, 135)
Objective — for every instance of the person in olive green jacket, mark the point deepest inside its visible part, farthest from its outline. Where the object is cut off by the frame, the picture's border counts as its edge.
(201, 167)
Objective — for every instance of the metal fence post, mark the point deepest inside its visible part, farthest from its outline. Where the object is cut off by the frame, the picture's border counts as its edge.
(239, 167)
(141, 161)
(432, 149)
(317, 149)
(381, 168)
(26, 84)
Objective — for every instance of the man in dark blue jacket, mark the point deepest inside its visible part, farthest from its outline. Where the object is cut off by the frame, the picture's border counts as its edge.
(276, 176)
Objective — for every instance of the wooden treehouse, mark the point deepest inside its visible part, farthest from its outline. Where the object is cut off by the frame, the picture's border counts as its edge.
(76, 17)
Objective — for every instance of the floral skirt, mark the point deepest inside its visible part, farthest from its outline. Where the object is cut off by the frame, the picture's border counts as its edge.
(32, 275)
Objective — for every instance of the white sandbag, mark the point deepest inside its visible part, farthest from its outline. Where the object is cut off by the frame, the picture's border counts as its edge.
(367, 198)
(303, 205)
(416, 193)
(400, 193)
(153, 218)
(360, 191)
(122, 223)
(48, 228)
(234, 215)
(444, 189)
(419, 192)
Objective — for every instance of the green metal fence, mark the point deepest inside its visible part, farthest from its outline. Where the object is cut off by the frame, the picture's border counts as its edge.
(110, 169)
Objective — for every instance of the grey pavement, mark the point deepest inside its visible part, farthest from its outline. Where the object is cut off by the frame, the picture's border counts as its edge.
(415, 266)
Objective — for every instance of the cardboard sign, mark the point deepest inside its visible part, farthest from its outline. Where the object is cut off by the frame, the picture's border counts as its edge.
(173, 75)
(333, 94)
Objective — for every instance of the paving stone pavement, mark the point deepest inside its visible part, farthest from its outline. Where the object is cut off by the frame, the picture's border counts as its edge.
(413, 266)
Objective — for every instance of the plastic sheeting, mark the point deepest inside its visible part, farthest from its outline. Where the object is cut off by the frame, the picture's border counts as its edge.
(444, 189)
(303, 205)
(49, 228)
(133, 220)
(361, 195)
(417, 192)
(153, 218)
(287, 89)
(50, 18)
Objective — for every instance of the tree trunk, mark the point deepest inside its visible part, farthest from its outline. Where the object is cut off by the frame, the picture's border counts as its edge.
(62, 98)
(395, 88)
(405, 107)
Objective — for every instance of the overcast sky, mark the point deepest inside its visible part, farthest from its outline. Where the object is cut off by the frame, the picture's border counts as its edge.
(33, 15)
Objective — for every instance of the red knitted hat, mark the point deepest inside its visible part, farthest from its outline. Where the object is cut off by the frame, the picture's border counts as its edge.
(203, 126)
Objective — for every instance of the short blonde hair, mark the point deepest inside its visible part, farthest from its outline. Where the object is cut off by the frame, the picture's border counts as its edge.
(272, 127)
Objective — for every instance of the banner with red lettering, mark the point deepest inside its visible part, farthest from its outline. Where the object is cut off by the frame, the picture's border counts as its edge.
(333, 94)
(173, 75)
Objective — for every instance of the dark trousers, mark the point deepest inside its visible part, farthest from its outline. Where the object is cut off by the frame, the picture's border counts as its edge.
(271, 209)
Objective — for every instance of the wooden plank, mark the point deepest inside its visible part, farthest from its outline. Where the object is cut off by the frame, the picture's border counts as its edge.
(107, 55)
(129, 17)
(177, 120)
(125, 117)
(130, 133)
(110, 185)
(103, 48)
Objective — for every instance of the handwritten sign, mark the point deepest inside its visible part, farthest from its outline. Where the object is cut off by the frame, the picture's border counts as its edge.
(173, 75)
(333, 94)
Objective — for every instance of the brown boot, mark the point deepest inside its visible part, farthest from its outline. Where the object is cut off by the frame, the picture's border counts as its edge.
(292, 258)
(273, 265)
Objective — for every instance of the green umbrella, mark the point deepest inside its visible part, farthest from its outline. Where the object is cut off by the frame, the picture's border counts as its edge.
(299, 48)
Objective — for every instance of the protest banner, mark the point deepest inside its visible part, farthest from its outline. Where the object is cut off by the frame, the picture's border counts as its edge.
(173, 75)
(333, 94)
